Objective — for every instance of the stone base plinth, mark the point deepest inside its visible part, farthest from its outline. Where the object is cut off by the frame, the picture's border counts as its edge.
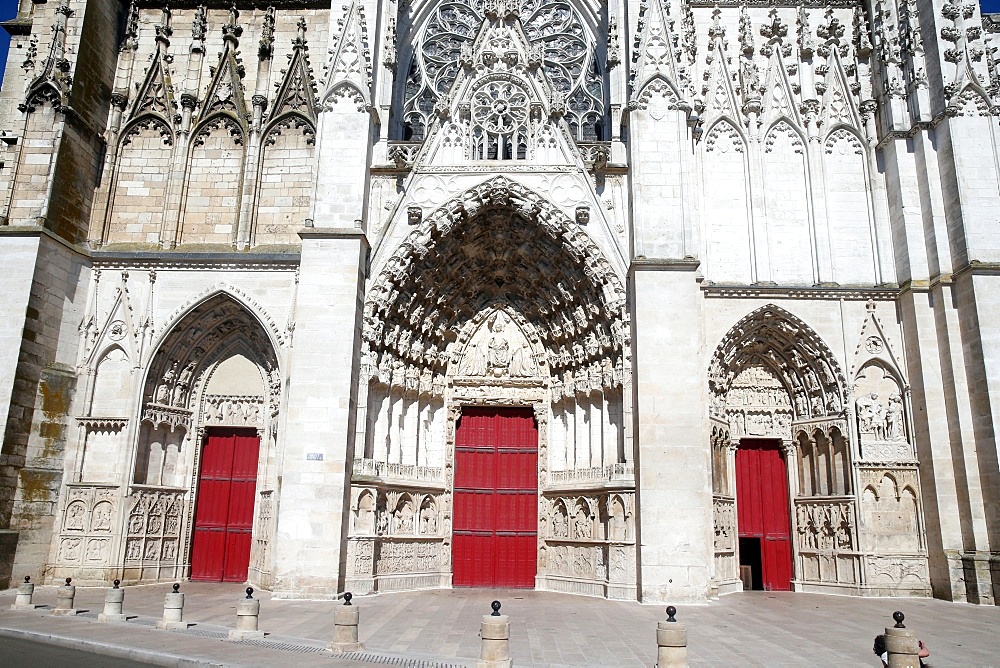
(237, 634)
(110, 617)
(344, 647)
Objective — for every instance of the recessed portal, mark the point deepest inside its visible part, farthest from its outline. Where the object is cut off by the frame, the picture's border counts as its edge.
(764, 520)
(495, 541)
(220, 550)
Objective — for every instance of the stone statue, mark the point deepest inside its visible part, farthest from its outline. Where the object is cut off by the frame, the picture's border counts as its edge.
(894, 418)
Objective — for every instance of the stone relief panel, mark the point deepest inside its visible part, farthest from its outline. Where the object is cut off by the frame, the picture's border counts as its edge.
(890, 512)
(881, 416)
(588, 544)
(86, 532)
(724, 516)
(154, 525)
(233, 410)
(260, 556)
(758, 404)
(825, 527)
(499, 349)
(398, 539)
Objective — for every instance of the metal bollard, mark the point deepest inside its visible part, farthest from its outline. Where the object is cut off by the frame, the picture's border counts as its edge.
(247, 614)
(671, 642)
(495, 633)
(25, 591)
(64, 599)
(173, 610)
(114, 598)
(901, 645)
(345, 626)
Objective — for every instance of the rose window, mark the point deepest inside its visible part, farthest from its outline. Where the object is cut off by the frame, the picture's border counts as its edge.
(571, 60)
(500, 122)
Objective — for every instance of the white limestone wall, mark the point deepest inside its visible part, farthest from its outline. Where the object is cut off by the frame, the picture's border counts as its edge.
(19, 254)
(671, 437)
(319, 422)
(342, 158)
(659, 157)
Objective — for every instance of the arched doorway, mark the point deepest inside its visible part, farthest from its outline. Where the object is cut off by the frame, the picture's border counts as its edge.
(200, 475)
(772, 379)
(498, 309)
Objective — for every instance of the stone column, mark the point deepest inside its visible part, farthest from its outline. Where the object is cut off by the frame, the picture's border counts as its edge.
(494, 651)
(321, 411)
(114, 600)
(671, 642)
(345, 627)
(673, 460)
(901, 645)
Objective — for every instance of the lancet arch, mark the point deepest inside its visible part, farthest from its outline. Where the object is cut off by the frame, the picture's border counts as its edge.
(214, 375)
(779, 341)
(779, 399)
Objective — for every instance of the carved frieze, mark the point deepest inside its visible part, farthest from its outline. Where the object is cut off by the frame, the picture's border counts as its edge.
(154, 524)
(86, 529)
(233, 410)
(825, 526)
(724, 522)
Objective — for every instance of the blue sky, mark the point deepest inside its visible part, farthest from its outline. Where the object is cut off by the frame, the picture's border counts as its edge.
(8, 8)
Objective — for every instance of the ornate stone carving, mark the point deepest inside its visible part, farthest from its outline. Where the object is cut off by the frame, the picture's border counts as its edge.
(154, 524)
(825, 527)
(773, 338)
(86, 526)
(558, 39)
(724, 516)
(233, 410)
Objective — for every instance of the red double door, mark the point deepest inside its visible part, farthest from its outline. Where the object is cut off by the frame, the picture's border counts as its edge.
(764, 522)
(220, 550)
(495, 532)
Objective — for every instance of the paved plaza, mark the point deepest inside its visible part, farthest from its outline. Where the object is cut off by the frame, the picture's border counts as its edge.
(441, 628)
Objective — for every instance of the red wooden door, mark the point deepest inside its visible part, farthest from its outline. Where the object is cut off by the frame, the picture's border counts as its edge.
(762, 500)
(495, 534)
(223, 522)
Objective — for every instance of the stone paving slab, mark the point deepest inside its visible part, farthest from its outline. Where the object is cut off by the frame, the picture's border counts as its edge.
(547, 629)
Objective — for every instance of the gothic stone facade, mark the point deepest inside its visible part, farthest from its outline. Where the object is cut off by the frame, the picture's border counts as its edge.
(664, 226)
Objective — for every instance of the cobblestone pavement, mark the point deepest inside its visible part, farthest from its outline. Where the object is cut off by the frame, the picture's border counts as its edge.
(547, 629)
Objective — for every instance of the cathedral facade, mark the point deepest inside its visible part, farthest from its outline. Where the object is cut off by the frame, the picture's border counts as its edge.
(642, 299)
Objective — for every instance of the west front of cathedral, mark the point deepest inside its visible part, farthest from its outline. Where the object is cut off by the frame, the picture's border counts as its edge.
(649, 300)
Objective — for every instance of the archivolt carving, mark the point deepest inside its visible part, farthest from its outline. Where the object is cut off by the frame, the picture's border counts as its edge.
(499, 245)
(777, 340)
(216, 325)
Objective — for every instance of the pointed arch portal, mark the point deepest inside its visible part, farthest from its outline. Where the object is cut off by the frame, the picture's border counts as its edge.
(210, 397)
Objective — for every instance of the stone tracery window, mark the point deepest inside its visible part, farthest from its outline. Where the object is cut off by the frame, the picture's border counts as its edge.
(500, 122)
(555, 27)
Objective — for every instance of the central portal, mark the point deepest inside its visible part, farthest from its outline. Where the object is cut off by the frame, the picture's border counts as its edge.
(495, 542)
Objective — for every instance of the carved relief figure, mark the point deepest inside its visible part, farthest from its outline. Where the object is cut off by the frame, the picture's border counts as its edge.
(582, 525)
(428, 518)
(364, 521)
(102, 517)
(560, 523)
(74, 516)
